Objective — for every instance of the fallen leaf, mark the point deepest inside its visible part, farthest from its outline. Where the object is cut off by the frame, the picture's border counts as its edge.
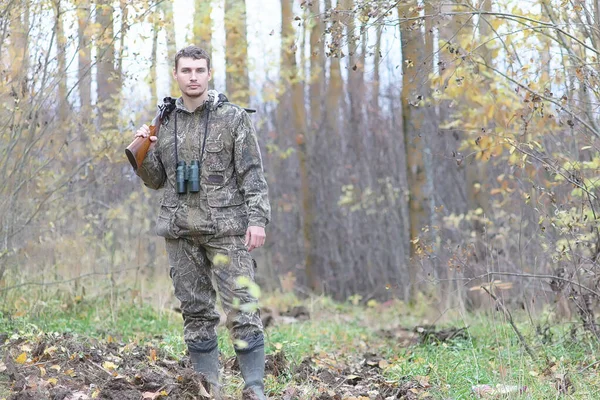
(109, 365)
(22, 358)
(423, 381)
(53, 381)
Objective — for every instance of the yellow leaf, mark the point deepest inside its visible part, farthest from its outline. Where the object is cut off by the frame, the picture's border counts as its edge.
(22, 358)
(42, 371)
(53, 381)
(95, 394)
(109, 365)
(56, 367)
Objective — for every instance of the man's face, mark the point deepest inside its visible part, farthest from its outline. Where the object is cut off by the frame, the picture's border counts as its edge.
(192, 76)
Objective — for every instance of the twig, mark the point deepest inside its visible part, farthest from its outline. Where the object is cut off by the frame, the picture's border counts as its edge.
(66, 280)
(512, 323)
(527, 275)
(582, 370)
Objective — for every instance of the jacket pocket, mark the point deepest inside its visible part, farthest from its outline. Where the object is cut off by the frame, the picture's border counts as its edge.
(217, 159)
(225, 197)
(165, 221)
(230, 221)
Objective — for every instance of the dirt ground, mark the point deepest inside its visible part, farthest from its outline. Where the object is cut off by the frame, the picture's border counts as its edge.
(69, 367)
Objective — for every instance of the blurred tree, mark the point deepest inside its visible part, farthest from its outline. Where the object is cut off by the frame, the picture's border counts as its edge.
(202, 31)
(84, 70)
(415, 62)
(107, 78)
(237, 81)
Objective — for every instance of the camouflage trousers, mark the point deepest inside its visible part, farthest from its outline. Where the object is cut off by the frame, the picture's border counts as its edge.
(194, 261)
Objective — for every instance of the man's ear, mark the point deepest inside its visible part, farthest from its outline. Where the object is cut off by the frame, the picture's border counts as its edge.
(174, 73)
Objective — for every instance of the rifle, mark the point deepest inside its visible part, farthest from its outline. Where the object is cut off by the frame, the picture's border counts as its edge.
(137, 150)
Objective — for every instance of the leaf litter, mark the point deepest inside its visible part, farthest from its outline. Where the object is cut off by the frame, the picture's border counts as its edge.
(70, 367)
(67, 367)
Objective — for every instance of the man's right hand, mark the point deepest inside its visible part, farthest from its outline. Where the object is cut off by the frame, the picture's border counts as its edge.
(144, 132)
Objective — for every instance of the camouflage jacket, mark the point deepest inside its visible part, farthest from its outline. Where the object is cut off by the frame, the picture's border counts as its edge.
(233, 190)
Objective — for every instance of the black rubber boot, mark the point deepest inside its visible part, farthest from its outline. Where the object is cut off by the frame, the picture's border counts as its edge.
(207, 363)
(252, 366)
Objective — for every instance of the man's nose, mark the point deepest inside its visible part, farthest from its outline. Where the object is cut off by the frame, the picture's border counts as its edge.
(194, 76)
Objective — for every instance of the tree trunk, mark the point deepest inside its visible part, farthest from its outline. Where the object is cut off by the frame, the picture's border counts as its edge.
(107, 75)
(18, 52)
(317, 65)
(413, 115)
(203, 25)
(154, 59)
(123, 31)
(290, 78)
(476, 170)
(169, 24)
(376, 75)
(61, 43)
(84, 73)
(237, 81)
(336, 86)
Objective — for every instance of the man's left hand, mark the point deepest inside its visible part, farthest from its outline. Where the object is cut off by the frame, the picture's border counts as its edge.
(255, 237)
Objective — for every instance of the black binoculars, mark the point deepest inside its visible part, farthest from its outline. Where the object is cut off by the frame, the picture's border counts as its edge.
(190, 175)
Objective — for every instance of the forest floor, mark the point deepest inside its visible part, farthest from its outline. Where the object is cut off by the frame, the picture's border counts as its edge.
(78, 348)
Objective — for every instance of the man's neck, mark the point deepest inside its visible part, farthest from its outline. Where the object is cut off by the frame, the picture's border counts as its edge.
(191, 103)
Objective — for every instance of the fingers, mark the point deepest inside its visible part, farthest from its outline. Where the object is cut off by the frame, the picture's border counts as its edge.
(252, 244)
(255, 238)
(247, 240)
(144, 131)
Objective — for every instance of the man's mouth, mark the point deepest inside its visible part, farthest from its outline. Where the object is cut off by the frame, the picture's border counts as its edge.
(193, 86)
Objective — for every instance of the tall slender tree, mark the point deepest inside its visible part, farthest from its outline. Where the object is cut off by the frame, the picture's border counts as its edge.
(203, 25)
(61, 47)
(237, 80)
(291, 78)
(317, 64)
(413, 116)
(107, 75)
(169, 27)
(84, 70)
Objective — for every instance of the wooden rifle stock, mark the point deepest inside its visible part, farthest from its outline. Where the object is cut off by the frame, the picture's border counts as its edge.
(137, 150)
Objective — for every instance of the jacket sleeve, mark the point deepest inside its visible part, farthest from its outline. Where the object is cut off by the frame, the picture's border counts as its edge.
(152, 170)
(249, 171)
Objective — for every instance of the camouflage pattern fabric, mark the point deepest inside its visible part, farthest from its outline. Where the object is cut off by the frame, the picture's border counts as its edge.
(233, 190)
(205, 231)
(192, 262)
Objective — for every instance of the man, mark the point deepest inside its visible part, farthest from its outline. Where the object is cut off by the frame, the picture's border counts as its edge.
(210, 228)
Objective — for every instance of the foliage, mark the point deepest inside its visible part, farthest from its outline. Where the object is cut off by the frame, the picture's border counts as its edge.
(359, 347)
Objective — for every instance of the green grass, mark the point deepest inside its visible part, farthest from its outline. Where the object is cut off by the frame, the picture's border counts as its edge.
(342, 333)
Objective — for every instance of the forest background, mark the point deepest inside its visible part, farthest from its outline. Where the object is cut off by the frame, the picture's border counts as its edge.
(413, 150)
